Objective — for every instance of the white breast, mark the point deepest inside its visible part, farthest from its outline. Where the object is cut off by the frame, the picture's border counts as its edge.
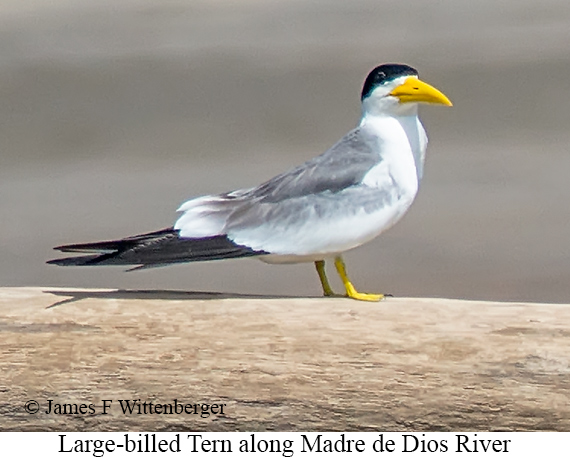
(402, 143)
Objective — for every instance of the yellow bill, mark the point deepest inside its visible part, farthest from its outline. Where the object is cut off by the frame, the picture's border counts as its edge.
(415, 90)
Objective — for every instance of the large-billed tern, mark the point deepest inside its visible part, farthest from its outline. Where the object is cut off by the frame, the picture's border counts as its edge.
(330, 204)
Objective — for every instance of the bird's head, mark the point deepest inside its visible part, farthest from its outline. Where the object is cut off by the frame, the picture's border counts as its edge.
(394, 89)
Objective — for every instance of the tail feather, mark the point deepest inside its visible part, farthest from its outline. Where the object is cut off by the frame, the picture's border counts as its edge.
(154, 249)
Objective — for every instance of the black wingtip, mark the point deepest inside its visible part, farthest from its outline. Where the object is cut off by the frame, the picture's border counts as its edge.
(116, 245)
(75, 261)
(154, 249)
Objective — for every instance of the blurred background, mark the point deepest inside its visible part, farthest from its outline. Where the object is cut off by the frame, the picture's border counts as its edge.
(113, 113)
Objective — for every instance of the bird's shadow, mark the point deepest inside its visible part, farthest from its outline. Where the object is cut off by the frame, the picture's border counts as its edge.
(78, 295)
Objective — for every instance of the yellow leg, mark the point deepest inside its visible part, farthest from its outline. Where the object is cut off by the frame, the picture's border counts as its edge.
(350, 290)
(327, 290)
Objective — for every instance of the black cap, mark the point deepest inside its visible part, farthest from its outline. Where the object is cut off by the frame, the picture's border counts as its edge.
(384, 73)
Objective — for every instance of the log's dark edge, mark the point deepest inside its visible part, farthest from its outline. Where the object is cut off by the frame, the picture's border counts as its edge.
(281, 363)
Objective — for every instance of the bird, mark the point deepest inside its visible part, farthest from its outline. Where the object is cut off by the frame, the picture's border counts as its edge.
(315, 212)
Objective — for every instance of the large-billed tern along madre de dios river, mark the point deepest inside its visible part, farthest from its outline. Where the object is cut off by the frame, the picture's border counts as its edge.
(330, 204)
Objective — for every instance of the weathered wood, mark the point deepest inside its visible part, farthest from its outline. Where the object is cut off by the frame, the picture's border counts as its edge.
(283, 363)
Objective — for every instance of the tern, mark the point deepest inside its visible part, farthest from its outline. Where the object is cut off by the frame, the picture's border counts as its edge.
(330, 204)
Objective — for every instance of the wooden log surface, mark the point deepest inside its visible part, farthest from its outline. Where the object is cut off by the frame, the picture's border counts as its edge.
(285, 364)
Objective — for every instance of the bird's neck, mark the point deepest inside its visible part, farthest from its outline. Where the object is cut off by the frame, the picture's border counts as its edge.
(393, 127)
(402, 133)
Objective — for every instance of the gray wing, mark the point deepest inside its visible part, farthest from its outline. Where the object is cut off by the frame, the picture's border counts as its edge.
(312, 190)
(313, 208)
(342, 166)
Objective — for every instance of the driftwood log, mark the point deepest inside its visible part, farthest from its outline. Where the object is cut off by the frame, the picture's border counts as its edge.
(283, 364)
